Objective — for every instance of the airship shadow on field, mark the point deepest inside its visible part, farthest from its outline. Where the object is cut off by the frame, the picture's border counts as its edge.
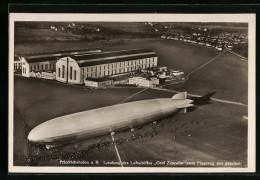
(200, 101)
(120, 117)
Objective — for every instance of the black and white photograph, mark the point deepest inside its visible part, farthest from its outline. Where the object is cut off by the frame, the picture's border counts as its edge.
(118, 93)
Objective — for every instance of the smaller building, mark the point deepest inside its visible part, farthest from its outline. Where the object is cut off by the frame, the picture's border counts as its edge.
(49, 75)
(99, 82)
(177, 73)
(144, 81)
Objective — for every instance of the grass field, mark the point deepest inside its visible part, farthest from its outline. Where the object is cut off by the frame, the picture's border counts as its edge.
(215, 132)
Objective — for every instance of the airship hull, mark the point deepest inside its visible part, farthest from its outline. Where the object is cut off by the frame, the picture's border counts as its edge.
(104, 120)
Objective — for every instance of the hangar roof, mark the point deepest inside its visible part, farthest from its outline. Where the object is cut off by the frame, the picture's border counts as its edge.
(53, 55)
(113, 56)
(48, 53)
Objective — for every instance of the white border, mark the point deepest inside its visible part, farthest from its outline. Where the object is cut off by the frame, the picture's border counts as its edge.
(247, 18)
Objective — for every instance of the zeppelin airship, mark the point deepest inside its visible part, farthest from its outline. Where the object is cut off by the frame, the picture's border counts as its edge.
(96, 122)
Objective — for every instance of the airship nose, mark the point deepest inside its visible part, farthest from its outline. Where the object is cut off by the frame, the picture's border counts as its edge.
(33, 136)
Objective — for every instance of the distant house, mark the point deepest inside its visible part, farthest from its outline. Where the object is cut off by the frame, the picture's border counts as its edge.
(163, 36)
(219, 48)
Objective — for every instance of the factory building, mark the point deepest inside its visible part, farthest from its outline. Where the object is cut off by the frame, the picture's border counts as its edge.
(46, 61)
(76, 69)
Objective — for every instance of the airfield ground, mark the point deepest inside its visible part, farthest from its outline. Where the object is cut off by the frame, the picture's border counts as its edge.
(214, 132)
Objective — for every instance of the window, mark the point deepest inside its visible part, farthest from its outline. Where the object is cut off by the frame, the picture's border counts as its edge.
(42, 66)
(59, 72)
(70, 72)
(63, 71)
(46, 66)
(34, 67)
(38, 67)
(75, 74)
(30, 68)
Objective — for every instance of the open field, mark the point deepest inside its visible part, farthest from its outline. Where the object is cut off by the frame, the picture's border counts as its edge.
(227, 75)
(214, 132)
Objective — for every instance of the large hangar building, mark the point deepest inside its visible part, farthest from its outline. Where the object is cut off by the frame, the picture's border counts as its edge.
(46, 61)
(75, 69)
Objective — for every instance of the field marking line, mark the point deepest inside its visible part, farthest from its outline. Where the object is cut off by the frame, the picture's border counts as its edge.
(213, 99)
(117, 152)
(229, 102)
(237, 138)
(205, 64)
(237, 55)
(187, 77)
(133, 95)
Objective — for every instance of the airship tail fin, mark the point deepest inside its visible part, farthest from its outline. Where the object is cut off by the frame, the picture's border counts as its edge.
(181, 96)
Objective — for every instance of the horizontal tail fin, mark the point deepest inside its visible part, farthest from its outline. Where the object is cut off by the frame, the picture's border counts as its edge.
(185, 106)
(181, 96)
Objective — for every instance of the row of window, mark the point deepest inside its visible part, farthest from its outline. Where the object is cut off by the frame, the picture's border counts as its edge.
(42, 67)
(17, 65)
(117, 71)
(63, 73)
(121, 64)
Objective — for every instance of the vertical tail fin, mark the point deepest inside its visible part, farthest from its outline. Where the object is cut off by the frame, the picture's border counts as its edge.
(181, 95)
